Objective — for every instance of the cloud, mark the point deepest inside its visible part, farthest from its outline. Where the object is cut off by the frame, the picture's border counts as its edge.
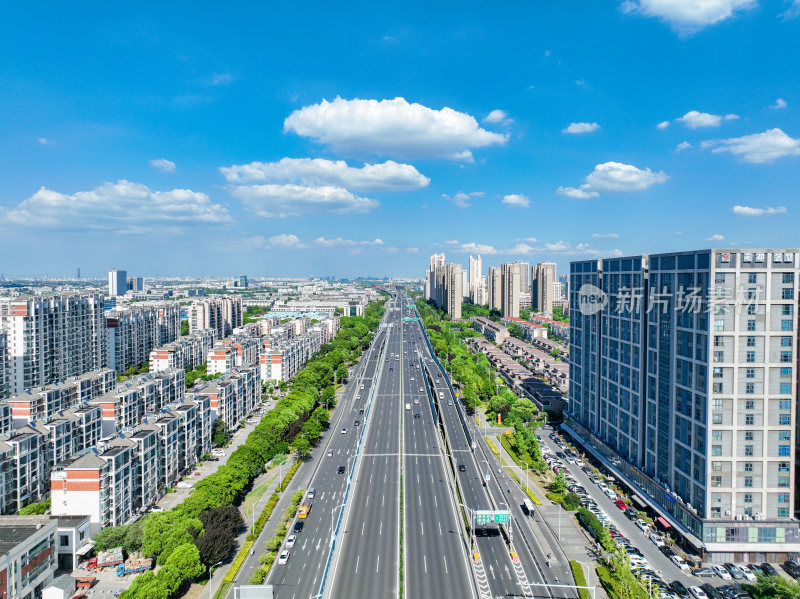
(519, 248)
(684, 145)
(221, 79)
(793, 11)
(462, 199)
(696, 120)
(412, 250)
(126, 206)
(758, 148)
(46, 142)
(386, 176)
(498, 117)
(558, 246)
(293, 242)
(281, 201)
(391, 127)
(780, 102)
(716, 237)
(748, 211)
(163, 164)
(663, 125)
(605, 235)
(581, 193)
(517, 200)
(688, 15)
(581, 128)
(614, 176)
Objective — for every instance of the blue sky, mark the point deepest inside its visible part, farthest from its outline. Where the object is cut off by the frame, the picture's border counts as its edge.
(353, 138)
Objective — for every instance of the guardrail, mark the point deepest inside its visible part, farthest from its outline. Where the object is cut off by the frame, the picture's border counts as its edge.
(446, 378)
(350, 476)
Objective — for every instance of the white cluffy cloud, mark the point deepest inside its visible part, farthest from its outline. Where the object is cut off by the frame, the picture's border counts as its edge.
(498, 117)
(758, 148)
(749, 211)
(663, 125)
(289, 241)
(386, 176)
(688, 15)
(716, 237)
(696, 120)
(605, 235)
(163, 164)
(517, 200)
(581, 128)
(461, 199)
(281, 201)
(614, 176)
(522, 249)
(125, 206)
(391, 127)
(780, 102)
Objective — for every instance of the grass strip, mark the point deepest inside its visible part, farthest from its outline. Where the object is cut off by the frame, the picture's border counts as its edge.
(506, 445)
(580, 578)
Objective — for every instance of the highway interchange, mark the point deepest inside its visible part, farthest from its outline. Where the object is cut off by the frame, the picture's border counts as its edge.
(402, 391)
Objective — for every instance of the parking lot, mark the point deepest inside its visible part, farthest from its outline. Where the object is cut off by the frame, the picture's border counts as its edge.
(649, 555)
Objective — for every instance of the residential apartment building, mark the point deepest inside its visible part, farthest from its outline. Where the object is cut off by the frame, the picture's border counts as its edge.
(510, 289)
(234, 395)
(683, 379)
(4, 378)
(27, 554)
(495, 288)
(22, 453)
(133, 333)
(186, 353)
(233, 352)
(530, 330)
(219, 313)
(475, 271)
(52, 338)
(489, 329)
(544, 275)
(452, 293)
(432, 291)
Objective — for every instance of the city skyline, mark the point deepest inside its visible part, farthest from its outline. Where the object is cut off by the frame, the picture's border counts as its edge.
(276, 152)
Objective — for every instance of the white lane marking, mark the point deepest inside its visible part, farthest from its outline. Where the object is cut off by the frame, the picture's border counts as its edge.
(378, 565)
(444, 558)
(383, 500)
(358, 557)
(425, 562)
(435, 501)
(440, 528)
(362, 527)
(380, 529)
(421, 529)
(419, 500)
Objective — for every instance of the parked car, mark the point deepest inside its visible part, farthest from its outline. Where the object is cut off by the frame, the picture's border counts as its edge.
(711, 591)
(721, 572)
(748, 575)
(680, 562)
(698, 593)
(681, 591)
(657, 540)
(734, 570)
(792, 568)
(703, 573)
(756, 569)
(769, 569)
(643, 526)
(621, 504)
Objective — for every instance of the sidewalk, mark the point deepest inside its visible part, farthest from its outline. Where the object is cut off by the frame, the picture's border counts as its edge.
(570, 538)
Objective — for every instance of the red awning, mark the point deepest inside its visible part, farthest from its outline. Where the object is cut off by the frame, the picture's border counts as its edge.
(663, 523)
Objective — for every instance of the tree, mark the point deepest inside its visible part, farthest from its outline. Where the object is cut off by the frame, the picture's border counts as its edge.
(774, 587)
(219, 433)
(572, 501)
(186, 560)
(227, 517)
(184, 327)
(524, 410)
(165, 531)
(558, 484)
(215, 545)
(301, 445)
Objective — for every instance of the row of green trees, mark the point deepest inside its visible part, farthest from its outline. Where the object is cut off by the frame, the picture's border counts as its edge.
(167, 534)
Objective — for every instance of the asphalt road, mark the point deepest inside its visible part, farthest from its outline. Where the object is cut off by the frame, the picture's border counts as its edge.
(302, 575)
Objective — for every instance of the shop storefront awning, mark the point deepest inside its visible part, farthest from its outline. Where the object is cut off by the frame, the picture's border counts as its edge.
(638, 502)
(663, 523)
(84, 549)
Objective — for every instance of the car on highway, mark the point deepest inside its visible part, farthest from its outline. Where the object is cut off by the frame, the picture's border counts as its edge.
(421, 390)
(416, 414)
(356, 423)
(283, 558)
(290, 540)
(344, 431)
(341, 470)
(361, 411)
(721, 572)
(462, 468)
(311, 492)
(416, 401)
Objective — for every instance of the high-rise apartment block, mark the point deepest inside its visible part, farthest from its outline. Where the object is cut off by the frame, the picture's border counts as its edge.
(475, 280)
(494, 286)
(51, 338)
(220, 313)
(452, 292)
(117, 282)
(683, 377)
(544, 275)
(510, 288)
(134, 332)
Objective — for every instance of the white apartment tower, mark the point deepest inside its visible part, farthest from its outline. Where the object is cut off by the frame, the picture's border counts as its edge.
(495, 288)
(510, 288)
(544, 275)
(117, 282)
(475, 270)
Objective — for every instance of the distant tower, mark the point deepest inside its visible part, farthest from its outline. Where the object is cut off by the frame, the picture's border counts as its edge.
(78, 273)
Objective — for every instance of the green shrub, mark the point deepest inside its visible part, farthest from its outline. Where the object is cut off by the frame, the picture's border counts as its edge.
(580, 578)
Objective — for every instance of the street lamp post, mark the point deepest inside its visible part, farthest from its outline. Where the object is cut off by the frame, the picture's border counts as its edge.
(332, 511)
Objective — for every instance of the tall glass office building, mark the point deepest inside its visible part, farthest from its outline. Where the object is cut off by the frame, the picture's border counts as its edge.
(682, 377)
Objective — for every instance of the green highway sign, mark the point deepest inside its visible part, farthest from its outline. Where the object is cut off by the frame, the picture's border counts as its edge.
(501, 517)
(490, 516)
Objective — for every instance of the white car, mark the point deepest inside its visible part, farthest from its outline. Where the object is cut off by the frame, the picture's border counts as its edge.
(412, 378)
(698, 593)
(610, 494)
(642, 525)
(283, 557)
(344, 431)
(680, 562)
(748, 574)
(721, 572)
(330, 453)
(290, 540)
(658, 540)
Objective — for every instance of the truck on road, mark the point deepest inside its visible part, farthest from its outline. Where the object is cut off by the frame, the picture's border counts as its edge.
(304, 509)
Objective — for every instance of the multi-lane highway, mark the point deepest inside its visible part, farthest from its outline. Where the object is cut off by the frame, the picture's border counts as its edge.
(302, 575)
